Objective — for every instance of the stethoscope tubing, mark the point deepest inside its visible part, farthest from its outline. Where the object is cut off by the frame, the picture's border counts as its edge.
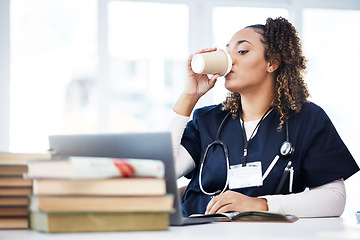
(227, 175)
(226, 153)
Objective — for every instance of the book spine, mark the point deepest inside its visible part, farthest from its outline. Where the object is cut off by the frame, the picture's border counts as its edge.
(105, 187)
(96, 168)
(98, 222)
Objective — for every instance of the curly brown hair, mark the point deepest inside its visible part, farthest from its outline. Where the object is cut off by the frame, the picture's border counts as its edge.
(282, 44)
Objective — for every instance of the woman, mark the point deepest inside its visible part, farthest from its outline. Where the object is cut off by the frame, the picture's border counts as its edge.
(268, 106)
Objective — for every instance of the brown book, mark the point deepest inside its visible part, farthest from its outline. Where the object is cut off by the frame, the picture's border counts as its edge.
(101, 204)
(15, 182)
(98, 222)
(13, 211)
(13, 170)
(14, 223)
(23, 191)
(14, 201)
(109, 187)
(7, 158)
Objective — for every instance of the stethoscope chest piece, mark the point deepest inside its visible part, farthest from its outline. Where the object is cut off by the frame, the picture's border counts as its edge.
(286, 149)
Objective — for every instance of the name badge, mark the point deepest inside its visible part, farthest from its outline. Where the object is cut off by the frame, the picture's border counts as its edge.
(245, 176)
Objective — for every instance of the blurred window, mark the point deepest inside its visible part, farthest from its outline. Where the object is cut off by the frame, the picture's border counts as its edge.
(148, 48)
(53, 70)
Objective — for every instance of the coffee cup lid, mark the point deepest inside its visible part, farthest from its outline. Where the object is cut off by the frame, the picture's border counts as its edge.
(197, 63)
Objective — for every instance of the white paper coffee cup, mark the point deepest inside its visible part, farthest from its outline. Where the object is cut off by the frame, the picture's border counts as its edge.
(212, 62)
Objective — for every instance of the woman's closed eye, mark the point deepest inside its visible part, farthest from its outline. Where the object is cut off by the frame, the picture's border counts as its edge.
(242, 52)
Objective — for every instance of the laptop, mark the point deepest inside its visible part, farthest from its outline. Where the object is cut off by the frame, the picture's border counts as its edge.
(128, 145)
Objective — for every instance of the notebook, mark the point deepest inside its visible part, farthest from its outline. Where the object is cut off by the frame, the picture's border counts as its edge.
(128, 145)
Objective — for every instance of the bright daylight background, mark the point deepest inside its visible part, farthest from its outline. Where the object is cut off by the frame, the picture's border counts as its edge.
(89, 66)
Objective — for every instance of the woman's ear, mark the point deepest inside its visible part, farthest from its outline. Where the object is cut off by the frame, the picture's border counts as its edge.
(273, 65)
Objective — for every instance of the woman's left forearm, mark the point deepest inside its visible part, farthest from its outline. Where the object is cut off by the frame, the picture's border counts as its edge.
(327, 200)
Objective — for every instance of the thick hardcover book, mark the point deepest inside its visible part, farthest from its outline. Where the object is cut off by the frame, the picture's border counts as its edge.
(104, 187)
(101, 204)
(98, 222)
(251, 216)
(94, 168)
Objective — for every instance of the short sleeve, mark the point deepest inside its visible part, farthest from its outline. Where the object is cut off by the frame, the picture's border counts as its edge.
(327, 159)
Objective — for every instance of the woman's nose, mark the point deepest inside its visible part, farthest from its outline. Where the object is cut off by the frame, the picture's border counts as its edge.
(232, 55)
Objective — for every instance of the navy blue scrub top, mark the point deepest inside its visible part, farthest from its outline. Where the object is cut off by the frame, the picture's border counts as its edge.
(320, 155)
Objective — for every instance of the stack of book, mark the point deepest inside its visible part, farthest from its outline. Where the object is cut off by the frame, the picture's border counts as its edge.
(14, 189)
(84, 194)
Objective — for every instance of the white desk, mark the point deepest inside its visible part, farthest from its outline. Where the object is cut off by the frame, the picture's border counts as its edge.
(317, 228)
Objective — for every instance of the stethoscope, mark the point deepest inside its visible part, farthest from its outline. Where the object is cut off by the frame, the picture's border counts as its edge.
(286, 150)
